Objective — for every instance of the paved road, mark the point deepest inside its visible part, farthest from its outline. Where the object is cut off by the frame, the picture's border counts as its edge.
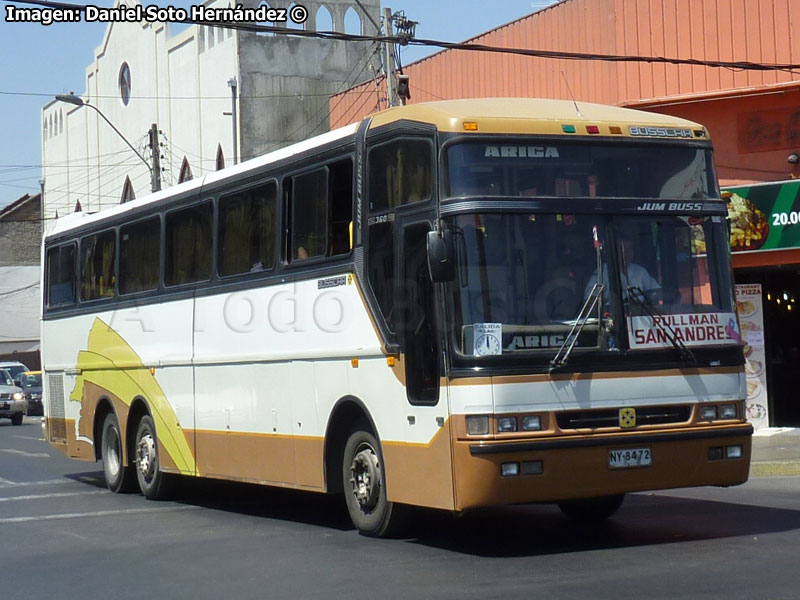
(63, 535)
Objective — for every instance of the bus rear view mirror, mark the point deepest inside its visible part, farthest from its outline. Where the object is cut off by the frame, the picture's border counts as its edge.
(440, 256)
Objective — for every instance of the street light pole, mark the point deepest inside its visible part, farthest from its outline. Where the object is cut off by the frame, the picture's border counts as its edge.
(73, 99)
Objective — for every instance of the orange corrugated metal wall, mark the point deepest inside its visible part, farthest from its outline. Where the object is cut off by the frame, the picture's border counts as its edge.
(728, 30)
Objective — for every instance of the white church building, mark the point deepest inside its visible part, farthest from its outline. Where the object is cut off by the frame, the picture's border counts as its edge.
(214, 96)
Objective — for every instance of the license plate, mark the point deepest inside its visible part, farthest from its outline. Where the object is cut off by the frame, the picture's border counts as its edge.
(630, 457)
(5, 405)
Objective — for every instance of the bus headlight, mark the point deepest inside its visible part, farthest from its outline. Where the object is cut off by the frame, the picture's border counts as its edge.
(727, 411)
(477, 425)
(708, 413)
(506, 424)
(532, 423)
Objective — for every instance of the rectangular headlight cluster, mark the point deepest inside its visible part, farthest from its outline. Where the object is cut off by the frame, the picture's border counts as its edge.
(528, 467)
(712, 412)
(718, 452)
(480, 424)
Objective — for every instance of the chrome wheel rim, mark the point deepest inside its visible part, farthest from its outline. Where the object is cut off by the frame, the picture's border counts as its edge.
(146, 456)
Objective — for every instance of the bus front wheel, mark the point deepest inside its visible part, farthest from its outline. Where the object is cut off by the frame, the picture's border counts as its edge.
(591, 510)
(364, 487)
(155, 485)
(119, 478)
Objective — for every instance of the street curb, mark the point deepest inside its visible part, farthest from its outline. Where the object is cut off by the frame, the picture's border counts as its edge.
(774, 469)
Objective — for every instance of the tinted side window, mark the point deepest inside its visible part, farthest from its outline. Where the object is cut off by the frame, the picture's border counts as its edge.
(399, 173)
(321, 211)
(61, 275)
(139, 256)
(380, 266)
(247, 230)
(309, 215)
(98, 268)
(188, 245)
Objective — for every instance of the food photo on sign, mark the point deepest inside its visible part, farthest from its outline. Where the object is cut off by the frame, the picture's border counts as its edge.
(749, 306)
(764, 216)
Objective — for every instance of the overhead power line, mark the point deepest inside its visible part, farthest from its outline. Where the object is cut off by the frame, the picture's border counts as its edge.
(469, 47)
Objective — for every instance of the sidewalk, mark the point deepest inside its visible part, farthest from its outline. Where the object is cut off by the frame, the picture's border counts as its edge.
(776, 451)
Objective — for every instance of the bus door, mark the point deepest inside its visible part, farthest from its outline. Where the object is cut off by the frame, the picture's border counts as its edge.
(427, 426)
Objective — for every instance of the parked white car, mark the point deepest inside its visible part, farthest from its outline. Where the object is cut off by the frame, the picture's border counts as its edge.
(13, 367)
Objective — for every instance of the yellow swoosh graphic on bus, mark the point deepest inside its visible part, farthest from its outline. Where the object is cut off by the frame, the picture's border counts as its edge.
(110, 363)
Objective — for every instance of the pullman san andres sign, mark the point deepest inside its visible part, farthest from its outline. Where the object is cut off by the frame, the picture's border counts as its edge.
(696, 329)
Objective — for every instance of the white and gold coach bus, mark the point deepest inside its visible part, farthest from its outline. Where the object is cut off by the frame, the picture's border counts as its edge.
(451, 305)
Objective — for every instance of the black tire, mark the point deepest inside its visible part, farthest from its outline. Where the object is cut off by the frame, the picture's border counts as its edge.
(16, 419)
(154, 484)
(365, 488)
(591, 510)
(119, 478)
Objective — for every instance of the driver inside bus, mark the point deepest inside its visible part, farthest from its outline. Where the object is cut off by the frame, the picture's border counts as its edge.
(632, 273)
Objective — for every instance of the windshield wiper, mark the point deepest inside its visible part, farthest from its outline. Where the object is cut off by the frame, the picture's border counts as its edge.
(637, 294)
(564, 352)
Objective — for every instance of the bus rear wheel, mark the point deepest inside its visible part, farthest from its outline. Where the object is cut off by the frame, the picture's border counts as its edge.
(591, 510)
(119, 478)
(154, 484)
(364, 487)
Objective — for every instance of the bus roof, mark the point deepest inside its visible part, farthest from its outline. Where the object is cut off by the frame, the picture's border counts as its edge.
(532, 115)
(490, 115)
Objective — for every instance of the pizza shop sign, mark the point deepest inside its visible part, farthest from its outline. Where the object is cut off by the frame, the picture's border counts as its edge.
(692, 329)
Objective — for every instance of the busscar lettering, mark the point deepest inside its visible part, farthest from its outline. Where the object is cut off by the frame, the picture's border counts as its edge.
(43, 16)
(669, 132)
(520, 152)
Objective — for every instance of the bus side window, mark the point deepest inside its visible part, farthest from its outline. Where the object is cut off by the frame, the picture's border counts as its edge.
(399, 173)
(380, 267)
(98, 255)
(247, 230)
(139, 256)
(188, 245)
(61, 275)
(309, 215)
(340, 190)
(321, 210)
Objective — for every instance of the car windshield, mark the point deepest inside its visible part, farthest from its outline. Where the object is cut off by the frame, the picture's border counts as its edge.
(31, 381)
(532, 168)
(523, 281)
(5, 377)
(15, 370)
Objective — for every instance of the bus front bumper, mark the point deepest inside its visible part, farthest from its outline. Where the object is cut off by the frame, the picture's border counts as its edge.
(551, 469)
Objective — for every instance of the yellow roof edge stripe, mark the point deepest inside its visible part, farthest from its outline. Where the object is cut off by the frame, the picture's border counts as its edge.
(528, 115)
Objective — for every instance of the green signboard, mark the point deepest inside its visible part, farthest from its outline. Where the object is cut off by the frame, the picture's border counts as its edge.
(764, 216)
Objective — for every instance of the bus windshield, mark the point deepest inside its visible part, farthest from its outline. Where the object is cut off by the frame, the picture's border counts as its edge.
(558, 169)
(523, 279)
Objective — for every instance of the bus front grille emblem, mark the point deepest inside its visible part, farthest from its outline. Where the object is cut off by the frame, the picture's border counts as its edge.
(627, 417)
